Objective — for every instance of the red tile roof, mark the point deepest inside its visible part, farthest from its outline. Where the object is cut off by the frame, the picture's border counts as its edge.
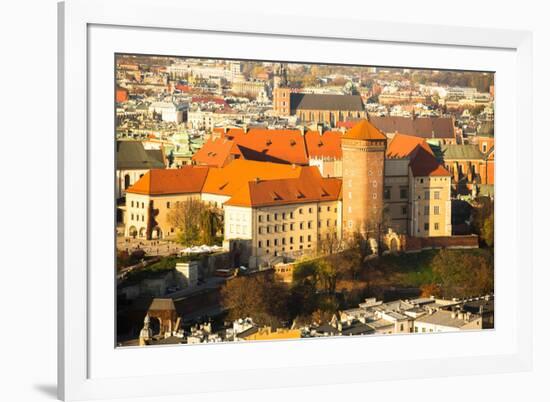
(364, 130)
(401, 146)
(217, 152)
(231, 178)
(308, 187)
(424, 163)
(326, 145)
(279, 146)
(188, 179)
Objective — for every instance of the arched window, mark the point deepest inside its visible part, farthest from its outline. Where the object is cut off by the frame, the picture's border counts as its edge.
(126, 181)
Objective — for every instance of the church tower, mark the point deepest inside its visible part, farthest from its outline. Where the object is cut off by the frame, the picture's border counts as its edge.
(363, 154)
(281, 92)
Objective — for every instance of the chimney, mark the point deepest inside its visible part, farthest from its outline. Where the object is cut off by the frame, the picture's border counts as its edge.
(320, 128)
(302, 130)
(245, 128)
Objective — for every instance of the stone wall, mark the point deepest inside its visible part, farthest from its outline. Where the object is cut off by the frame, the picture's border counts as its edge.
(412, 244)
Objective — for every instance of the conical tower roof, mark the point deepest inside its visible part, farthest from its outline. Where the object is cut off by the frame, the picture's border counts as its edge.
(364, 130)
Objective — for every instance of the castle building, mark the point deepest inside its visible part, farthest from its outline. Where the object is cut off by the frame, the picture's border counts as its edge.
(290, 209)
(363, 154)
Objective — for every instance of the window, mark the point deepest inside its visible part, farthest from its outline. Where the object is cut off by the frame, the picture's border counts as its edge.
(276, 242)
(260, 230)
(132, 203)
(283, 241)
(309, 224)
(328, 208)
(404, 210)
(401, 327)
(374, 196)
(275, 216)
(260, 218)
(291, 215)
(403, 193)
(267, 217)
(308, 237)
(143, 218)
(267, 243)
(310, 210)
(426, 195)
(168, 204)
(415, 329)
(436, 226)
(328, 223)
(301, 239)
(301, 211)
(132, 218)
(301, 225)
(284, 216)
(436, 195)
(387, 193)
(426, 210)
(426, 226)
(260, 244)
(292, 226)
(291, 240)
(436, 210)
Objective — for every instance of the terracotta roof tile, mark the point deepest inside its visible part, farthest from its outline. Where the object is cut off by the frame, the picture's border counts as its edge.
(188, 179)
(231, 178)
(364, 130)
(326, 145)
(217, 152)
(401, 146)
(308, 187)
(424, 163)
(279, 146)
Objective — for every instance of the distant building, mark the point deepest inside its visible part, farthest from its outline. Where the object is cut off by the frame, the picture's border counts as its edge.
(132, 162)
(445, 321)
(439, 129)
(317, 108)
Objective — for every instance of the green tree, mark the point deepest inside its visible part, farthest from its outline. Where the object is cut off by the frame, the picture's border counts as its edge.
(196, 222)
(258, 297)
(483, 220)
(463, 274)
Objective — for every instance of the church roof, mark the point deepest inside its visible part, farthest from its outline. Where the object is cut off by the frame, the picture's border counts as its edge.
(326, 102)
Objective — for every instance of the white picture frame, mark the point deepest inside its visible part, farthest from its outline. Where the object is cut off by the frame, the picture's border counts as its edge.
(81, 338)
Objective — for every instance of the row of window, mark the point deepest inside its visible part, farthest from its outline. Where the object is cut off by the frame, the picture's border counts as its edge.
(290, 215)
(403, 193)
(137, 217)
(137, 204)
(427, 226)
(290, 226)
(427, 195)
(283, 240)
(427, 210)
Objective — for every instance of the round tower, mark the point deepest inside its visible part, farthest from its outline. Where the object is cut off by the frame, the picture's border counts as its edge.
(363, 154)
